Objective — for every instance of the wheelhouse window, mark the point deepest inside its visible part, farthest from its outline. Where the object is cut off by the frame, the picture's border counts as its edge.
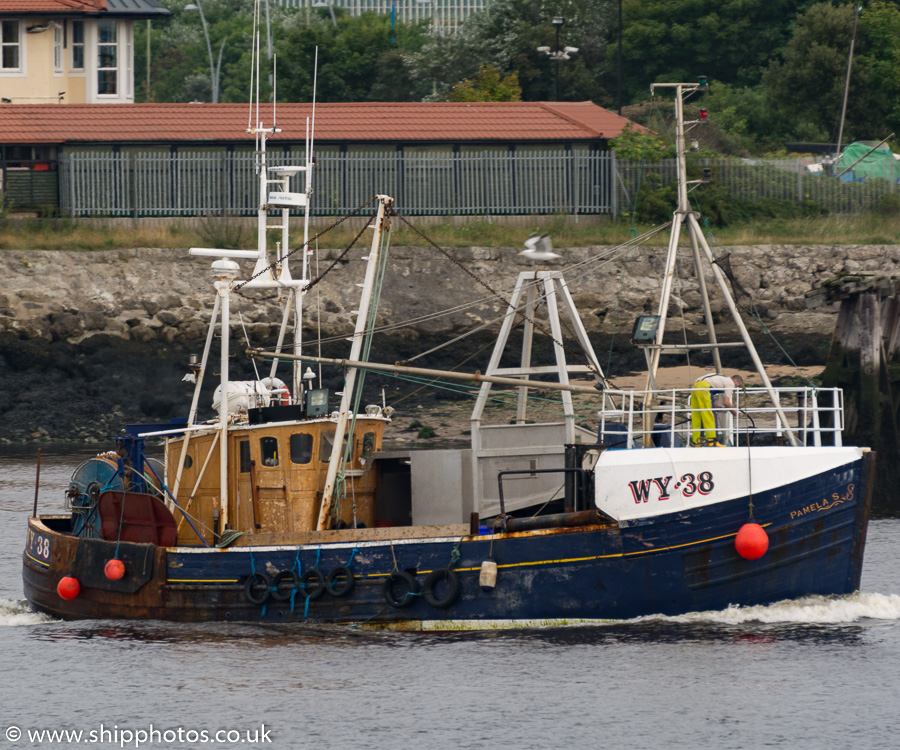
(301, 448)
(107, 58)
(326, 444)
(368, 448)
(10, 45)
(77, 45)
(244, 462)
(268, 451)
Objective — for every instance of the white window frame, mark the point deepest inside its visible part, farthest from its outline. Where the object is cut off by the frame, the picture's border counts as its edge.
(117, 69)
(20, 43)
(58, 51)
(78, 45)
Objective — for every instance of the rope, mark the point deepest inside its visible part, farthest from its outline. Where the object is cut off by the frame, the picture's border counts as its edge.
(394, 555)
(253, 573)
(752, 310)
(247, 339)
(369, 619)
(297, 564)
(435, 380)
(497, 396)
(316, 566)
(596, 263)
(271, 267)
(749, 479)
(187, 516)
(121, 519)
(341, 256)
(612, 339)
(493, 291)
(684, 336)
(340, 489)
(549, 500)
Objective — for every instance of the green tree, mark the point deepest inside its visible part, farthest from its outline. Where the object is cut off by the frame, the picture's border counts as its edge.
(807, 84)
(633, 145)
(881, 24)
(488, 85)
(726, 40)
(180, 68)
(806, 88)
(507, 35)
(362, 59)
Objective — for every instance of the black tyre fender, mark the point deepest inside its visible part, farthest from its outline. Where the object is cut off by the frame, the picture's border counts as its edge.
(434, 578)
(408, 584)
(257, 588)
(280, 592)
(312, 583)
(337, 586)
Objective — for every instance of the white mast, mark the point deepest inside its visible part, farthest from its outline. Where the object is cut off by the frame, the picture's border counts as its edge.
(684, 216)
(337, 449)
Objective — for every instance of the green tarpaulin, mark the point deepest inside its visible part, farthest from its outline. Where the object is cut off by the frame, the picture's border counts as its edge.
(879, 163)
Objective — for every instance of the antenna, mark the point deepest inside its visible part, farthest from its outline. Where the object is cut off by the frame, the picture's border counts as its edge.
(315, 86)
(257, 72)
(253, 69)
(274, 89)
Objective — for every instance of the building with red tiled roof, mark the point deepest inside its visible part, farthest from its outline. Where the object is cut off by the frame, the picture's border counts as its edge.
(400, 123)
(35, 137)
(73, 51)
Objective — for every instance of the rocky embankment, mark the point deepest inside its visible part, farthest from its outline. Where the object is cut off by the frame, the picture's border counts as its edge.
(90, 340)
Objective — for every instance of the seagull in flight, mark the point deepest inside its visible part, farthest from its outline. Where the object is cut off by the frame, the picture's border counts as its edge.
(539, 248)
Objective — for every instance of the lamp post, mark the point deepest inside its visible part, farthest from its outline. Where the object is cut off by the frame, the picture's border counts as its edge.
(558, 54)
(330, 10)
(619, 64)
(435, 26)
(847, 82)
(214, 70)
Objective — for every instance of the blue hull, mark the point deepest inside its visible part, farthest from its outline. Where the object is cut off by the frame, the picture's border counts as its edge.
(668, 564)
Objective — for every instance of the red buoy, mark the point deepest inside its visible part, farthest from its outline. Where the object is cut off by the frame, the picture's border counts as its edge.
(68, 587)
(751, 541)
(114, 570)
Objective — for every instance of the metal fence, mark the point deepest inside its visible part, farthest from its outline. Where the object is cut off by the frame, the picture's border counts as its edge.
(469, 183)
(489, 182)
(755, 179)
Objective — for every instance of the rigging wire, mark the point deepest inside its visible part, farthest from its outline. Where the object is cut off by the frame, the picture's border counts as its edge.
(487, 286)
(271, 267)
(601, 259)
(249, 344)
(750, 307)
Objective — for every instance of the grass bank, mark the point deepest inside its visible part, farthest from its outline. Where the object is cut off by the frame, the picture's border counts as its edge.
(89, 235)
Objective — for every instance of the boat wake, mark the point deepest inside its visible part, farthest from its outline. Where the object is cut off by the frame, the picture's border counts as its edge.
(17, 612)
(819, 610)
(808, 610)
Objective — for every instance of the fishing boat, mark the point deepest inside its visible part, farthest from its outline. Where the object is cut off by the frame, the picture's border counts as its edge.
(288, 505)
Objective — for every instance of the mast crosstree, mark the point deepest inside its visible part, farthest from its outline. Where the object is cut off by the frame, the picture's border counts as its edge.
(686, 218)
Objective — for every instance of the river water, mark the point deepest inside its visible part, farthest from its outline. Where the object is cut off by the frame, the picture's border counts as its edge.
(817, 673)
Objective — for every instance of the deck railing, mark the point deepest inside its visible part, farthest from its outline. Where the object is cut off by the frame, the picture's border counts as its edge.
(662, 418)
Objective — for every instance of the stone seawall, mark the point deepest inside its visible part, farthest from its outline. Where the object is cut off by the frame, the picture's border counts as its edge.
(89, 340)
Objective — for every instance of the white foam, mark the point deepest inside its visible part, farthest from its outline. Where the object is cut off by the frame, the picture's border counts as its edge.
(810, 609)
(17, 612)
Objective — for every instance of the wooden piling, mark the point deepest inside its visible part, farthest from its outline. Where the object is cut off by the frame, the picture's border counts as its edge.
(864, 361)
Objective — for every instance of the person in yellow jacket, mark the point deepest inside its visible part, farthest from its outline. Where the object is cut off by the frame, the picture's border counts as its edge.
(703, 395)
